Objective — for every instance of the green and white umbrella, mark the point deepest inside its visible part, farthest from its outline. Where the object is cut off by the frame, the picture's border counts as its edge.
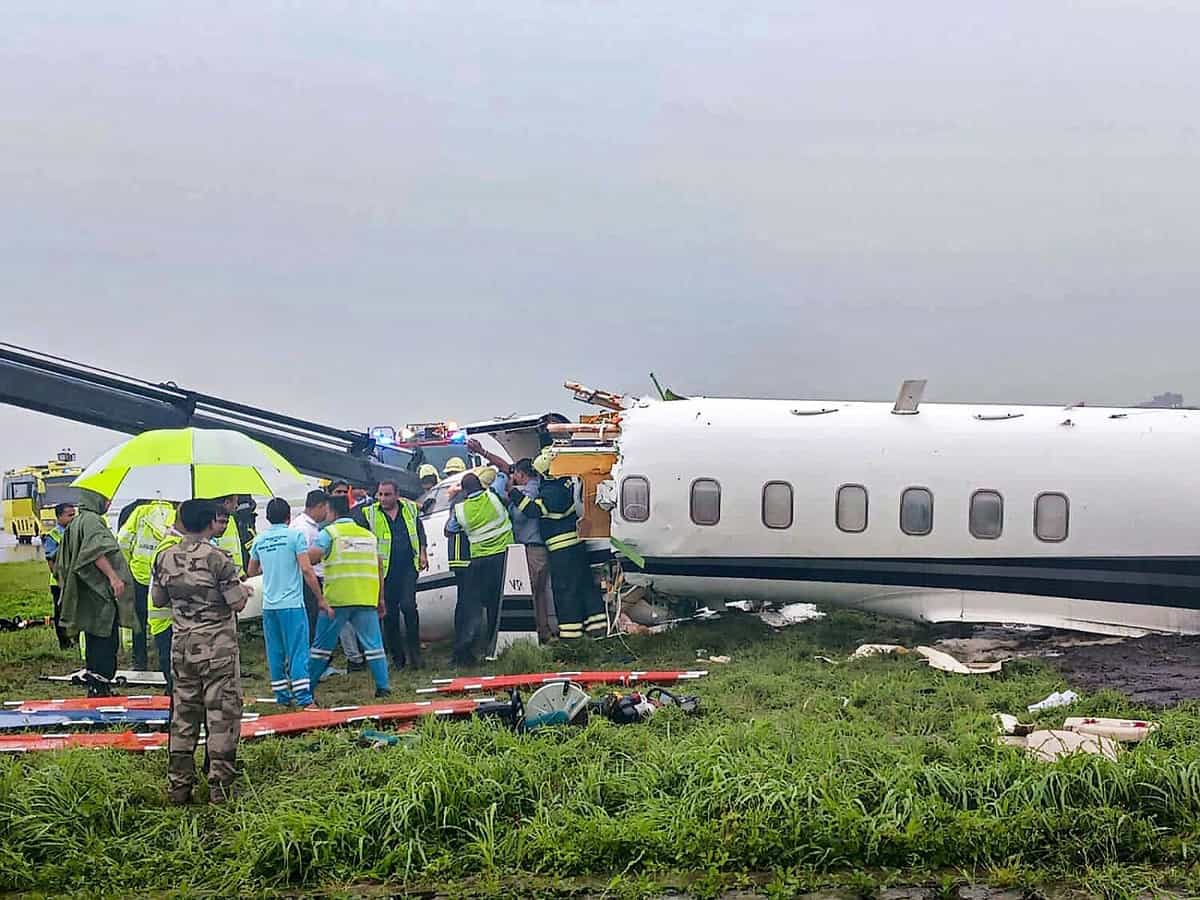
(182, 463)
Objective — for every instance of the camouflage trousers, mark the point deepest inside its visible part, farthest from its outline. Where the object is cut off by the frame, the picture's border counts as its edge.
(207, 691)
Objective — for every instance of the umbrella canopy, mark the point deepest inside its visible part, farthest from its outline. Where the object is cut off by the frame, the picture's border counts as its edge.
(183, 463)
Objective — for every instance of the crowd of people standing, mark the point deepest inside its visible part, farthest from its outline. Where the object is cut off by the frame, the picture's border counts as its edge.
(344, 570)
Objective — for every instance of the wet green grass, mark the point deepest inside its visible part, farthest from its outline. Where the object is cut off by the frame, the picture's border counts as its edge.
(23, 589)
(798, 774)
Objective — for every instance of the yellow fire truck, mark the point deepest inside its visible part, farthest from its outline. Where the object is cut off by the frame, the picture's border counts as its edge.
(32, 492)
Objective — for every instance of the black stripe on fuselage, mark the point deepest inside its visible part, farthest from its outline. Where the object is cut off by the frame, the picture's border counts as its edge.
(1154, 580)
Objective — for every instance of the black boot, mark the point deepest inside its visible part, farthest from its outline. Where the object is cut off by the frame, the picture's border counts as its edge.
(97, 685)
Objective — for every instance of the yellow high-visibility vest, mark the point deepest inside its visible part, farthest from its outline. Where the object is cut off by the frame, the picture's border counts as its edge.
(352, 566)
(485, 520)
(139, 537)
(381, 527)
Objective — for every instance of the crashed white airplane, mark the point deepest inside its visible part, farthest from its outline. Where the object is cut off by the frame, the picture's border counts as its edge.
(1079, 518)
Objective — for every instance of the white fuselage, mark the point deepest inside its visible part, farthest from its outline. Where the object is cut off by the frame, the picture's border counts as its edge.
(1129, 562)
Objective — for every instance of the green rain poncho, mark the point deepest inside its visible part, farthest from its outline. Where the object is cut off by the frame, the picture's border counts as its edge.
(87, 598)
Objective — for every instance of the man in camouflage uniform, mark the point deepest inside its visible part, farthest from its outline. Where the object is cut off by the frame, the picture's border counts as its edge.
(200, 583)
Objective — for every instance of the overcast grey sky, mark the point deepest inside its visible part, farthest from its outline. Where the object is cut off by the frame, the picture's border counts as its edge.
(376, 212)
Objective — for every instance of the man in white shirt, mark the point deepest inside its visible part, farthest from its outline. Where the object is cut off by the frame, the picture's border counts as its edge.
(308, 523)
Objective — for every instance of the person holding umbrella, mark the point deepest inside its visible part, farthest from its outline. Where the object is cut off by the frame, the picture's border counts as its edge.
(181, 463)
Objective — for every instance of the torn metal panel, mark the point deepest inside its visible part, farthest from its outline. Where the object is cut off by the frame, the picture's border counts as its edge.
(947, 663)
(521, 436)
(1128, 731)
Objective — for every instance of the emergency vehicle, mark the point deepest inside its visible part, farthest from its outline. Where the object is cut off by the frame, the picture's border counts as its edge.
(31, 493)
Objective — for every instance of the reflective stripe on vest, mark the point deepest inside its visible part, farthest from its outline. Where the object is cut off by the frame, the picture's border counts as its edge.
(562, 541)
(485, 520)
(544, 513)
(231, 543)
(457, 555)
(352, 566)
(158, 618)
(381, 526)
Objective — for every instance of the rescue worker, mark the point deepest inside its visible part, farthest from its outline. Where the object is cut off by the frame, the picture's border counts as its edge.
(527, 530)
(231, 540)
(429, 480)
(354, 655)
(139, 537)
(400, 535)
(576, 598)
(354, 590)
(483, 517)
(158, 621)
(202, 586)
(97, 588)
(429, 476)
(454, 466)
(63, 514)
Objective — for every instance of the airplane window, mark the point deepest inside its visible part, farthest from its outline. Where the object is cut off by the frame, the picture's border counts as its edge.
(635, 499)
(986, 518)
(777, 504)
(706, 501)
(1051, 516)
(916, 511)
(851, 508)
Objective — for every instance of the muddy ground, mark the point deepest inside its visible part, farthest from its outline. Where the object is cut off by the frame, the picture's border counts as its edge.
(1158, 671)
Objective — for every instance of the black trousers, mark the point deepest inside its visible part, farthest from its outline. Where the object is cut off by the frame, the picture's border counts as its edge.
(64, 639)
(162, 646)
(576, 598)
(484, 585)
(100, 652)
(400, 598)
(466, 618)
(141, 601)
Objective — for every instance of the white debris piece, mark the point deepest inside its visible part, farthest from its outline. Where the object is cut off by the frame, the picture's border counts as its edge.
(792, 614)
(1127, 731)
(865, 650)
(1055, 700)
(947, 663)
(1054, 745)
